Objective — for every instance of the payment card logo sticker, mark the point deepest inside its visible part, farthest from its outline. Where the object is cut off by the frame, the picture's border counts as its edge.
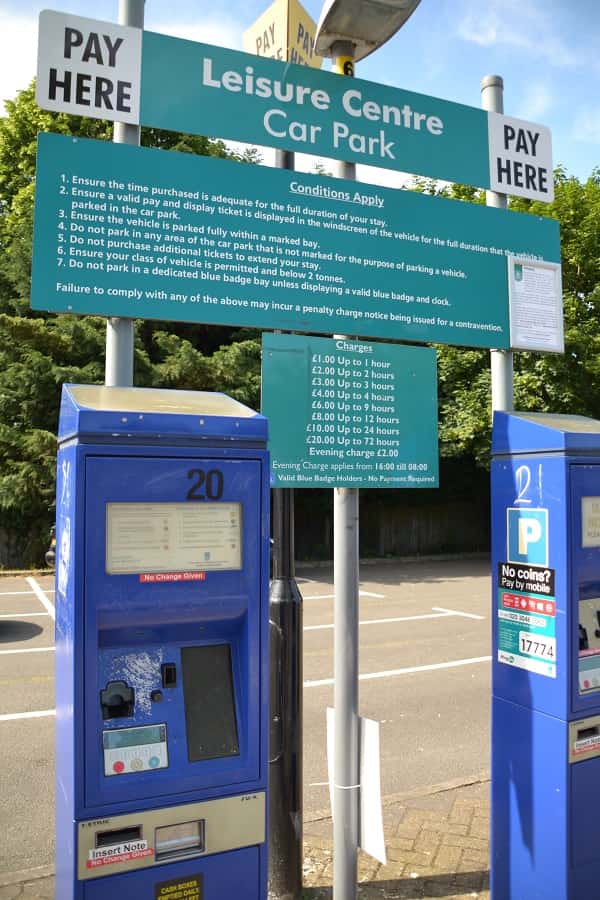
(527, 536)
(526, 632)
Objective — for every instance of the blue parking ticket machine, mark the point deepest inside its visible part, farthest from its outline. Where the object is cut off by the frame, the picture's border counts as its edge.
(546, 657)
(161, 646)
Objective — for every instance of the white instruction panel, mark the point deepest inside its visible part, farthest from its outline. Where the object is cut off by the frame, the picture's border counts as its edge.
(173, 537)
(590, 521)
(536, 305)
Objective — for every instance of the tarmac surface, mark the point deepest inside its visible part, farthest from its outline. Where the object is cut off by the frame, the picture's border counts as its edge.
(417, 618)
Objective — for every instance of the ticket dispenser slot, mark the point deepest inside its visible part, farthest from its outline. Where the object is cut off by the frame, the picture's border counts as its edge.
(162, 724)
(175, 841)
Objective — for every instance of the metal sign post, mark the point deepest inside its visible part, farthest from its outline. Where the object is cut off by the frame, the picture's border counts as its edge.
(118, 368)
(501, 361)
(346, 764)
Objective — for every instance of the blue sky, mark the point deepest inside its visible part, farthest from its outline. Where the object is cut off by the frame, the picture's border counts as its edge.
(547, 51)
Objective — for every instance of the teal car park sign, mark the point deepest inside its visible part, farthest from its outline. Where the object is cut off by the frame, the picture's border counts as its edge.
(109, 71)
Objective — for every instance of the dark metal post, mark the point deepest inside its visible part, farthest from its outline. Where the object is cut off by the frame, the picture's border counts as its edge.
(285, 768)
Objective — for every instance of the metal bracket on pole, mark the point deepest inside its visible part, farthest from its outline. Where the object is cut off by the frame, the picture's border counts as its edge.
(501, 361)
(118, 370)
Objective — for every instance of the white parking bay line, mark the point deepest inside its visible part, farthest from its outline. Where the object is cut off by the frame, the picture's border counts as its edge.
(23, 593)
(21, 615)
(437, 615)
(454, 612)
(41, 596)
(28, 650)
(36, 714)
(390, 673)
(331, 596)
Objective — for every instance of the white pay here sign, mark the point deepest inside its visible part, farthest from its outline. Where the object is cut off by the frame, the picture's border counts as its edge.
(520, 158)
(89, 68)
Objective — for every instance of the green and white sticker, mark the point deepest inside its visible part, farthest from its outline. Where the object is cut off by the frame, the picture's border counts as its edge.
(527, 632)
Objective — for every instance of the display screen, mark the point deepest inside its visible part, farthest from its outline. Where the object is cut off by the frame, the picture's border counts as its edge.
(173, 537)
(209, 702)
(116, 738)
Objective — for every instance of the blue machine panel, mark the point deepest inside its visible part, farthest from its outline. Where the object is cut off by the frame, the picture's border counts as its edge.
(546, 663)
(223, 877)
(530, 579)
(164, 622)
(529, 839)
(162, 645)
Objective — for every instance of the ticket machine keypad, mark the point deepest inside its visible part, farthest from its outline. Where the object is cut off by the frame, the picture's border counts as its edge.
(131, 750)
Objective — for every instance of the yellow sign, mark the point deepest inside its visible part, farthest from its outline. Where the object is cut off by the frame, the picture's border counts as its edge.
(343, 65)
(284, 31)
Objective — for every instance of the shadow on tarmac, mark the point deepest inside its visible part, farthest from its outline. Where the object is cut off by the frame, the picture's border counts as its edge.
(13, 631)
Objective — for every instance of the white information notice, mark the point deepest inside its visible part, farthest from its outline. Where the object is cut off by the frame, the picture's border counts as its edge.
(590, 521)
(371, 838)
(172, 537)
(536, 305)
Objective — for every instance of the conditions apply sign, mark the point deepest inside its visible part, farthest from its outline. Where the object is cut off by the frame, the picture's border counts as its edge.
(132, 232)
(349, 414)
